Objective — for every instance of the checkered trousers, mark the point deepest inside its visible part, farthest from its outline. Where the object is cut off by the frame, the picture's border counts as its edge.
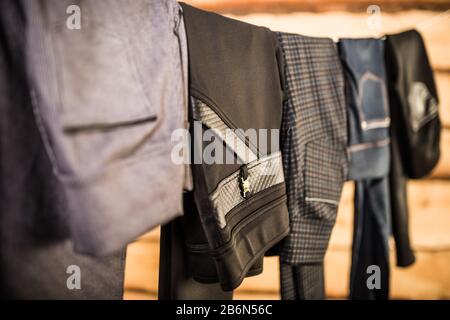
(302, 282)
(314, 142)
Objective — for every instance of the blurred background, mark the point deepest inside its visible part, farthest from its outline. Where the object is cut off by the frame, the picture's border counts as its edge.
(429, 199)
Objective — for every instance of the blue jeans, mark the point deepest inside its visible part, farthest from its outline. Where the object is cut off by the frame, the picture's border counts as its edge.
(369, 121)
(370, 238)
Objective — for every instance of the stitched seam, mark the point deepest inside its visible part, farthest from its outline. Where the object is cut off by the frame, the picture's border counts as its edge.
(307, 199)
(369, 145)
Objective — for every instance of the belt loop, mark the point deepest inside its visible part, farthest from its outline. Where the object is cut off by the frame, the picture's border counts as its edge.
(177, 13)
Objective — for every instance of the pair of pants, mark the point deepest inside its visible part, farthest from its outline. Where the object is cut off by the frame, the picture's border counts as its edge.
(175, 274)
(370, 239)
(416, 127)
(106, 100)
(302, 282)
(314, 147)
(37, 260)
(369, 150)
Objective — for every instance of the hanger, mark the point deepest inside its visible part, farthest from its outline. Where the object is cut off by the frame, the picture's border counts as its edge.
(420, 26)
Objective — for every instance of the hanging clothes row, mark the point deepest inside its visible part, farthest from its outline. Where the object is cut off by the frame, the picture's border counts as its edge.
(335, 127)
(90, 167)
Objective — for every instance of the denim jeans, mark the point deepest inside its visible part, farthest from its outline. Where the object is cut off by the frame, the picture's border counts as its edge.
(369, 121)
(370, 237)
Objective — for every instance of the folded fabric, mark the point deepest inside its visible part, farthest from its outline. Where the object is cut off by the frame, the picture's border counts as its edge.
(107, 96)
(372, 227)
(302, 282)
(235, 89)
(176, 280)
(314, 142)
(415, 130)
(369, 151)
(37, 260)
(414, 102)
(314, 149)
(368, 108)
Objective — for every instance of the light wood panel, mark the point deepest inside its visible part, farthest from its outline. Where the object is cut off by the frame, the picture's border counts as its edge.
(153, 235)
(443, 86)
(442, 169)
(268, 281)
(241, 295)
(432, 25)
(139, 295)
(429, 204)
(428, 278)
(278, 6)
(258, 295)
(142, 266)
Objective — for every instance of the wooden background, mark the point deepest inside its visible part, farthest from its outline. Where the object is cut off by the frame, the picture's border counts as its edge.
(429, 199)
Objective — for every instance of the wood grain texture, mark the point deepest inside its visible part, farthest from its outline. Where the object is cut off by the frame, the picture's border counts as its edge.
(443, 86)
(152, 235)
(428, 278)
(142, 266)
(442, 169)
(429, 203)
(139, 295)
(283, 6)
(433, 26)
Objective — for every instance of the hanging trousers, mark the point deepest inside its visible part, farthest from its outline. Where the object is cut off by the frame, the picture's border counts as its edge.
(314, 140)
(370, 239)
(369, 143)
(175, 273)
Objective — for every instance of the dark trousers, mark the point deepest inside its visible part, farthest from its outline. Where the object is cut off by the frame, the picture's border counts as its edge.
(302, 282)
(370, 239)
(369, 139)
(175, 275)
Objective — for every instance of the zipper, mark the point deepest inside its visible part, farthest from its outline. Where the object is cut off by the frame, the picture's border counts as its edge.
(244, 184)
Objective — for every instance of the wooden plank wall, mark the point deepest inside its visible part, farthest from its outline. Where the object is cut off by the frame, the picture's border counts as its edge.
(429, 199)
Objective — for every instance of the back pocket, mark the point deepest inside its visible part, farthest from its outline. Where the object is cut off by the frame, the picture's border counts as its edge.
(372, 102)
(103, 111)
(97, 77)
(323, 172)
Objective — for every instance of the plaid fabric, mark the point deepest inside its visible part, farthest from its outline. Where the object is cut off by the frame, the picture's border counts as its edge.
(303, 282)
(314, 141)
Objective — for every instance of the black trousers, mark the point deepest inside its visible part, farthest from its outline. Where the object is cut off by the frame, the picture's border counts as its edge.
(175, 275)
(370, 239)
